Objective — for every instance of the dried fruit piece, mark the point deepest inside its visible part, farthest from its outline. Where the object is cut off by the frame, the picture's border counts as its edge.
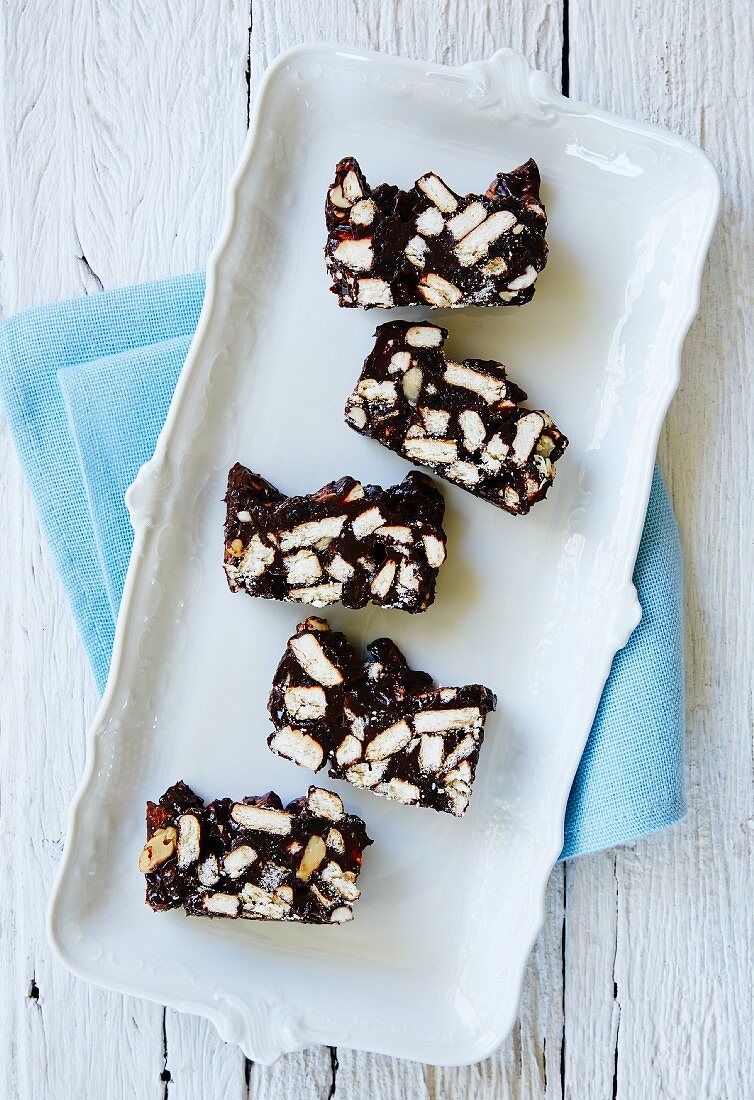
(254, 859)
(465, 421)
(384, 727)
(387, 247)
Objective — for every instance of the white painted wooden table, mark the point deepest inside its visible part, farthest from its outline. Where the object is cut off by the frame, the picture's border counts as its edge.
(121, 125)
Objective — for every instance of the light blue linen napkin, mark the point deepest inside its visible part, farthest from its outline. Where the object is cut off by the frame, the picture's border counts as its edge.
(86, 386)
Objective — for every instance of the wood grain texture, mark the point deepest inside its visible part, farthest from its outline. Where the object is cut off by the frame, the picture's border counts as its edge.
(684, 960)
(120, 128)
(447, 31)
(591, 1008)
(121, 125)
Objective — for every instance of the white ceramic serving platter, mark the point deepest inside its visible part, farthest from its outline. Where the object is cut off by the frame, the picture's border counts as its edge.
(535, 607)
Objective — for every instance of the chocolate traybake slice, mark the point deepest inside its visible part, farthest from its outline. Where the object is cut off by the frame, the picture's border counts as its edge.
(464, 420)
(429, 246)
(379, 724)
(255, 858)
(347, 543)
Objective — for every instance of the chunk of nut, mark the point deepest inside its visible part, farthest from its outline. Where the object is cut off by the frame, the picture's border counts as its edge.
(314, 853)
(412, 384)
(337, 198)
(363, 212)
(157, 849)
(351, 187)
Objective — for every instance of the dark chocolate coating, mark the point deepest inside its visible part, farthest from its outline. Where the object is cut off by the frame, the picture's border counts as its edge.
(278, 857)
(263, 534)
(381, 694)
(408, 251)
(465, 421)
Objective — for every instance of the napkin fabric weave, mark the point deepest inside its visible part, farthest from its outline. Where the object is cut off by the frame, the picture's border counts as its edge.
(86, 386)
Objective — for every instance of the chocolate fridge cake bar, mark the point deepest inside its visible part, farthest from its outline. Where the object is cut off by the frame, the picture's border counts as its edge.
(378, 724)
(429, 246)
(464, 420)
(348, 543)
(254, 858)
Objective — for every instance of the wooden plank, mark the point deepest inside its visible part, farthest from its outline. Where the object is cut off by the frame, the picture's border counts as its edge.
(48, 694)
(59, 1034)
(451, 32)
(198, 1062)
(592, 1010)
(119, 177)
(117, 160)
(117, 169)
(308, 1075)
(685, 932)
(528, 1064)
